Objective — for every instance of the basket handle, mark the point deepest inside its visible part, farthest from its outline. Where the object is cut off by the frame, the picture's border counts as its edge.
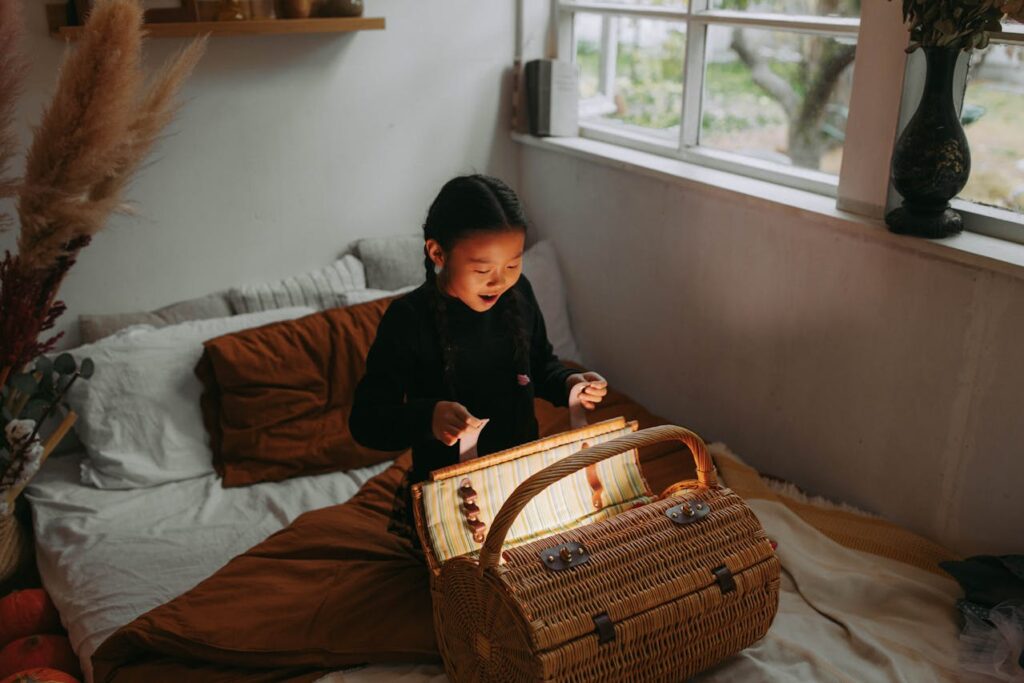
(525, 492)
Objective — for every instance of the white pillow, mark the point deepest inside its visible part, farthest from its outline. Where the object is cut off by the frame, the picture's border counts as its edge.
(320, 289)
(540, 265)
(138, 415)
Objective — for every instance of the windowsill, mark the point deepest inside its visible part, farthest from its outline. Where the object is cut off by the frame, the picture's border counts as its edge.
(970, 248)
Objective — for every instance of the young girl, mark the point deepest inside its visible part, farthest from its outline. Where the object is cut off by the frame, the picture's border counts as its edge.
(468, 345)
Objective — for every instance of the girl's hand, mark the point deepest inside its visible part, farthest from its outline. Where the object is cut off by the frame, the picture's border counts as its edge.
(595, 391)
(451, 421)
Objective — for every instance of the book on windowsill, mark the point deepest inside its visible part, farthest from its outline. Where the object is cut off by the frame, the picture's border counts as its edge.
(552, 92)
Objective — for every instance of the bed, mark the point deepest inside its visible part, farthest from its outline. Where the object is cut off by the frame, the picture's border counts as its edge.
(862, 599)
(870, 610)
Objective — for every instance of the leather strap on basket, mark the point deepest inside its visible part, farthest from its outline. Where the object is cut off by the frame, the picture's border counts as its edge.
(578, 418)
(577, 413)
(525, 492)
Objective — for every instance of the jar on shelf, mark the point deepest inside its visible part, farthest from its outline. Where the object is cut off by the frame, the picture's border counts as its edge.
(338, 8)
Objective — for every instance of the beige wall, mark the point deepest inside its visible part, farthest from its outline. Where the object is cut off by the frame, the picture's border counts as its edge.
(859, 368)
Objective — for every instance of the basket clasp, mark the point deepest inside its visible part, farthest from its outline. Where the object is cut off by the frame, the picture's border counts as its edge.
(564, 556)
(688, 512)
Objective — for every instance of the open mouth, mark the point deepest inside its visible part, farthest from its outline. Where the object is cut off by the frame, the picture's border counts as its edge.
(489, 298)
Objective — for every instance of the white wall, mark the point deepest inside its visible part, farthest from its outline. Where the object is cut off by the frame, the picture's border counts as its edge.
(856, 367)
(291, 146)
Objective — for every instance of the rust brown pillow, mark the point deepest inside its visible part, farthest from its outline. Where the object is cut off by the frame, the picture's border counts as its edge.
(276, 398)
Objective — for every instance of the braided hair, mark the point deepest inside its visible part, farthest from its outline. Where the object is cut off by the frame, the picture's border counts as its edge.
(466, 205)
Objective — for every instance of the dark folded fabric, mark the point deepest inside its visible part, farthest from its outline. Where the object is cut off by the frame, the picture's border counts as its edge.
(988, 579)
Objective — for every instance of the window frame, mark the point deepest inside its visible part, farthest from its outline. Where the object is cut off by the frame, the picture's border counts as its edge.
(863, 185)
(698, 19)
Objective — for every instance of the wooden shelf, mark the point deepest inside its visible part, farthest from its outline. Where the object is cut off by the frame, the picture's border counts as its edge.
(250, 27)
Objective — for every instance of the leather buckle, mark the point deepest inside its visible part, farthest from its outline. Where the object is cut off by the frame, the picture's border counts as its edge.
(565, 556)
(724, 579)
(605, 628)
(688, 512)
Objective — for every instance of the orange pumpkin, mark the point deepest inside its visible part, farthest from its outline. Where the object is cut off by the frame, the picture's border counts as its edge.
(32, 652)
(40, 676)
(25, 613)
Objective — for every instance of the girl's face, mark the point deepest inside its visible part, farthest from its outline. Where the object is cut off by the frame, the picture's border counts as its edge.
(481, 267)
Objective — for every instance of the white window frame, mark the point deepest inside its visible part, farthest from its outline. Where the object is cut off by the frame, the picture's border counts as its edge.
(879, 107)
(698, 18)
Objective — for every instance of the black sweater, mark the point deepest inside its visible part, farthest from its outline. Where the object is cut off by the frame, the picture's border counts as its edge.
(394, 402)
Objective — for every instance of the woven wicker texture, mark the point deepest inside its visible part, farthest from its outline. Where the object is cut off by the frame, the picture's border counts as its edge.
(14, 547)
(653, 578)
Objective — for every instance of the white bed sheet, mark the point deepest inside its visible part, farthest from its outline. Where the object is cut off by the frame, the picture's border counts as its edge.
(106, 557)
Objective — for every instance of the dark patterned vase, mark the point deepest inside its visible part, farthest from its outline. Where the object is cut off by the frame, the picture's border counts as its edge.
(931, 162)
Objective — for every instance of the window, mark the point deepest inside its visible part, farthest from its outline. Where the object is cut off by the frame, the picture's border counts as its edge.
(631, 75)
(764, 88)
(761, 87)
(993, 101)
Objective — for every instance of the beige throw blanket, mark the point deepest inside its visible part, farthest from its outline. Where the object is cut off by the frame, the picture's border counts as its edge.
(849, 610)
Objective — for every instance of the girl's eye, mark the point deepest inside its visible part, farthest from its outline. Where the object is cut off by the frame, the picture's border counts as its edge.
(513, 267)
(482, 272)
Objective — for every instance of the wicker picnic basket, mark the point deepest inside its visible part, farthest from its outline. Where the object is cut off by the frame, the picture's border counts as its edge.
(584, 575)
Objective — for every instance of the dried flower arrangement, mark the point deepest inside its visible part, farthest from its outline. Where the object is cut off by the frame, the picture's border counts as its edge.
(964, 24)
(100, 125)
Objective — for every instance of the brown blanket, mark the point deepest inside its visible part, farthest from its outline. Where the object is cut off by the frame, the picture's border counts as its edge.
(333, 589)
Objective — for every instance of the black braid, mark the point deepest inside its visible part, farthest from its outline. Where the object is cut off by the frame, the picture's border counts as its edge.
(439, 307)
(512, 316)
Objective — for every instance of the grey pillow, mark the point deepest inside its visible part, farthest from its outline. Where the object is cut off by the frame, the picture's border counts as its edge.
(320, 289)
(391, 262)
(94, 327)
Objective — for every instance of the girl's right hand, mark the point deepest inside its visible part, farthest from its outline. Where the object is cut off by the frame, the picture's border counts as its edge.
(451, 421)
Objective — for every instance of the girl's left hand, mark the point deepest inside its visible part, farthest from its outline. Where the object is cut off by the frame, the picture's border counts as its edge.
(597, 388)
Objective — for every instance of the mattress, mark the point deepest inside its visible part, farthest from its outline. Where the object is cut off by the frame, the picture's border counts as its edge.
(108, 556)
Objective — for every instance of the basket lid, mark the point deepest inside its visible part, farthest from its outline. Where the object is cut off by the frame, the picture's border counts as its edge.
(454, 506)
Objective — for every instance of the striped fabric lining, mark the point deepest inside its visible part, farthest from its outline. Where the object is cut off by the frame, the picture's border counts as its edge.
(320, 289)
(565, 505)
